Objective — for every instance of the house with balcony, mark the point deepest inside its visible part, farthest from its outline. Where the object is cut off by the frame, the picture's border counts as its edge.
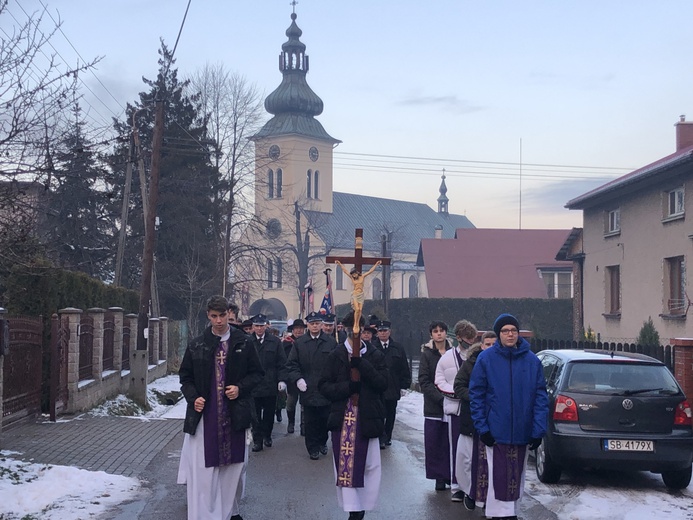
(636, 240)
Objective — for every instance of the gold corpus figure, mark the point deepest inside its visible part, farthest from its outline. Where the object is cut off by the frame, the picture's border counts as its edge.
(357, 297)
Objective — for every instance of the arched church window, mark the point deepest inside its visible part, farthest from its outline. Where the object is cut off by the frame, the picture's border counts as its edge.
(279, 273)
(279, 183)
(413, 287)
(309, 179)
(270, 273)
(270, 184)
(316, 182)
(377, 289)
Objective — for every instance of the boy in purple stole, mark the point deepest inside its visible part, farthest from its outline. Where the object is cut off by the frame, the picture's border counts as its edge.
(356, 420)
(218, 372)
(510, 409)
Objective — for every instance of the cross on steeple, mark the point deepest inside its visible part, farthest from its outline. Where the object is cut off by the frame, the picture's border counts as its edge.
(293, 4)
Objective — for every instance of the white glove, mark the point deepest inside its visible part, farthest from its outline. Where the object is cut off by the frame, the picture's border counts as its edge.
(281, 386)
(301, 385)
(402, 393)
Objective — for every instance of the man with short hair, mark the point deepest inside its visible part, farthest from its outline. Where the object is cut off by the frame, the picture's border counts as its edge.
(328, 324)
(306, 361)
(273, 361)
(296, 329)
(219, 370)
(247, 326)
(234, 310)
(510, 409)
(399, 377)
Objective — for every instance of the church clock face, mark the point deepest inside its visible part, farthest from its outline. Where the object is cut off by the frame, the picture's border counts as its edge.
(273, 228)
(274, 152)
(313, 153)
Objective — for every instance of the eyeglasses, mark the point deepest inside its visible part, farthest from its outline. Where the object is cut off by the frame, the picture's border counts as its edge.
(508, 331)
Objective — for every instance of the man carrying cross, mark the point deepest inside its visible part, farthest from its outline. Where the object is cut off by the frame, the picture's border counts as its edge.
(356, 418)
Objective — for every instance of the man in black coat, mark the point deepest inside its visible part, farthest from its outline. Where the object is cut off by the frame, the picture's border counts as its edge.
(296, 329)
(273, 359)
(219, 370)
(306, 361)
(399, 378)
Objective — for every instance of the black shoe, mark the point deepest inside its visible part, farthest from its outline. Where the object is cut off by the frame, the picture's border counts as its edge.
(440, 484)
(382, 445)
(458, 496)
(357, 515)
(279, 416)
(236, 517)
(388, 442)
(257, 446)
(469, 503)
(323, 450)
(290, 428)
(314, 455)
(268, 443)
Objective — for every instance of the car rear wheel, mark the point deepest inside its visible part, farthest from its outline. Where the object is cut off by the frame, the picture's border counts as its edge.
(548, 472)
(677, 478)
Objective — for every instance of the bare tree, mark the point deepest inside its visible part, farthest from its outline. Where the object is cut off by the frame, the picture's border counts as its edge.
(234, 112)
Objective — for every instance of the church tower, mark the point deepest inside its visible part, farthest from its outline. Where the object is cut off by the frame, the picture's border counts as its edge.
(443, 197)
(293, 152)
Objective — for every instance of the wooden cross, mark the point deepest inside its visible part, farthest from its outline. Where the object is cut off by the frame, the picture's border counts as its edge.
(357, 296)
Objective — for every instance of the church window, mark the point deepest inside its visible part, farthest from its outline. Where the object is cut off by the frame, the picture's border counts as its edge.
(339, 281)
(377, 289)
(316, 184)
(270, 273)
(309, 178)
(279, 183)
(270, 184)
(413, 287)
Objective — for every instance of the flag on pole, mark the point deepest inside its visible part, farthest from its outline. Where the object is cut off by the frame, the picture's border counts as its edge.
(326, 305)
(307, 298)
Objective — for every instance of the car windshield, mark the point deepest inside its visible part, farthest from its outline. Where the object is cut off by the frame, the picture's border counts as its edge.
(621, 379)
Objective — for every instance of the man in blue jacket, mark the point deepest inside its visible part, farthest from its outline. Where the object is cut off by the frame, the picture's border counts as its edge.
(510, 408)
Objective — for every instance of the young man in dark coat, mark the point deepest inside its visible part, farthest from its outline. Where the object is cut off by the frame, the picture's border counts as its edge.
(399, 377)
(273, 359)
(219, 370)
(296, 329)
(306, 361)
(355, 423)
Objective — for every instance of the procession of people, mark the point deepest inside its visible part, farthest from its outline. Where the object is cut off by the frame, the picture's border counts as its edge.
(346, 382)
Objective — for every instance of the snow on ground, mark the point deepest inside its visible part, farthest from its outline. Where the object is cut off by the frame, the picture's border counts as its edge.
(161, 395)
(32, 491)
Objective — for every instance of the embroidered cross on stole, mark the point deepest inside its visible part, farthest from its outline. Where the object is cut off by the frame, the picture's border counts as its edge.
(351, 457)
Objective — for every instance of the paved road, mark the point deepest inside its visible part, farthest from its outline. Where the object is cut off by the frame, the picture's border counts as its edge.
(281, 483)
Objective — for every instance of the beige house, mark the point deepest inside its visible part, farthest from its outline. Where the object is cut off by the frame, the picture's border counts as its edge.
(637, 239)
(299, 219)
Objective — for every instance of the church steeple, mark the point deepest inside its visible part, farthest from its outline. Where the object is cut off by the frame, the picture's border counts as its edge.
(293, 103)
(443, 198)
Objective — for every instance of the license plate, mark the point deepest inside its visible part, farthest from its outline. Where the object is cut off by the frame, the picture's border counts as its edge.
(627, 445)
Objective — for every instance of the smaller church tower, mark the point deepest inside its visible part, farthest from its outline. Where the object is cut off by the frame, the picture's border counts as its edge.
(443, 198)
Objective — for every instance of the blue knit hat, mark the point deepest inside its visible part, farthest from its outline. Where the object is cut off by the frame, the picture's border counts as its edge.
(505, 319)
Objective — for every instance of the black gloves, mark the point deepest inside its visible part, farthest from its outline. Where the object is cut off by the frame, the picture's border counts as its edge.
(354, 387)
(487, 439)
(534, 443)
(355, 362)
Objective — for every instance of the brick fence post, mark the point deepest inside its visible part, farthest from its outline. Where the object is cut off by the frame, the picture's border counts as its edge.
(117, 337)
(153, 340)
(97, 315)
(683, 364)
(71, 317)
(163, 338)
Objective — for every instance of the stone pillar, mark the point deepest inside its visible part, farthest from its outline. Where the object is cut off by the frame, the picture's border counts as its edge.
(163, 338)
(117, 337)
(153, 341)
(139, 362)
(71, 317)
(683, 363)
(132, 324)
(97, 315)
(3, 349)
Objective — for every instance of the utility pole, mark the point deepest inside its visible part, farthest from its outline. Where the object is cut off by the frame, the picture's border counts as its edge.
(139, 359)
(124, 215)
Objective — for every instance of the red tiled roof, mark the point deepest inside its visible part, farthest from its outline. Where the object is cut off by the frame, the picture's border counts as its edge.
(491, 263)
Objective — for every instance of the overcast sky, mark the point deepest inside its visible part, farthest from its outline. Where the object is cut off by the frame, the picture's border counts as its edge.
(585, 89)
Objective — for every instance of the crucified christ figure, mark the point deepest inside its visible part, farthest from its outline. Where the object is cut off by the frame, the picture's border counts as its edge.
(357, 298)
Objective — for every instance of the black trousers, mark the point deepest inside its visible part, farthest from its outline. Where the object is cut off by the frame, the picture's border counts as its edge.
(265, 409)
(390, 413)
(316, 426)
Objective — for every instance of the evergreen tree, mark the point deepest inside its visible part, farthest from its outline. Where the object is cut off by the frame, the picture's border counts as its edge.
(648, 334)
(79, 218)
(187, 244)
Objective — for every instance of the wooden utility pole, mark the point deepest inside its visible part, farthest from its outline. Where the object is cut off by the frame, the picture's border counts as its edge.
(124, 217)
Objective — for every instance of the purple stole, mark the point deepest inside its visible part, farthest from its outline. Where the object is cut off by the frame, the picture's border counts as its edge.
(479, 471)
(350, 450)
(222, 445)
(508, 465)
